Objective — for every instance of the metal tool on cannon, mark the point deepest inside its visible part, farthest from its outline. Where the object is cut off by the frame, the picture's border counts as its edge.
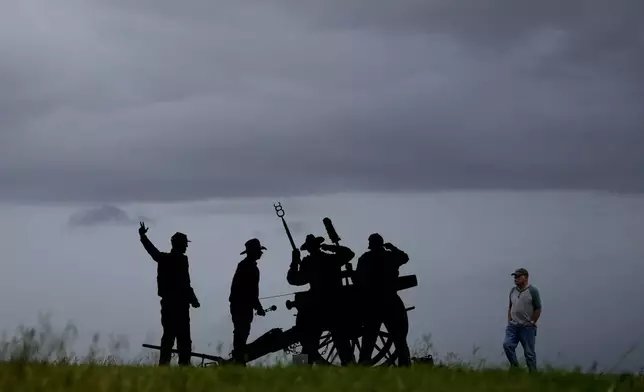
(335, 239)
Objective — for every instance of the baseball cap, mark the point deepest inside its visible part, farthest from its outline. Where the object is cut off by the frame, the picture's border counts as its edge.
(520, 271)
(179, 237)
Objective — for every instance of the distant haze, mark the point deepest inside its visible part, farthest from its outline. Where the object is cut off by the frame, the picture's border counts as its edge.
(584, 252)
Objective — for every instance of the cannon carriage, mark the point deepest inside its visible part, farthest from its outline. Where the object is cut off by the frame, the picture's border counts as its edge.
(277, 339)
(384, 353)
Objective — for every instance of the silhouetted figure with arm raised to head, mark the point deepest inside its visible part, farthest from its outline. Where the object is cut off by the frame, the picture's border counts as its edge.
(177, 295)
(376, 276)
(244, 298)
(322, 271)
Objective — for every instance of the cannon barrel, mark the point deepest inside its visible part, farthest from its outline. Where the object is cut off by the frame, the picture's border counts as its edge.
(272, 341)
(406, 282)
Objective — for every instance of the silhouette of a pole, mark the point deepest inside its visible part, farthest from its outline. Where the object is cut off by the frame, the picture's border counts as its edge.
(280, 213)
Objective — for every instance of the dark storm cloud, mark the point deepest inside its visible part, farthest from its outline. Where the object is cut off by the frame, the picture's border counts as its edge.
(119, 101)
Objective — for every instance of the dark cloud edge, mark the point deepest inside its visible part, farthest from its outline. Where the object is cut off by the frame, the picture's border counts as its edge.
(630, 192)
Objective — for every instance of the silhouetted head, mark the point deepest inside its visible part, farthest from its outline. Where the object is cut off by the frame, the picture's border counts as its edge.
(376, 241)
(312, 243)
(254, 249)
(179, 242)
(520, 277)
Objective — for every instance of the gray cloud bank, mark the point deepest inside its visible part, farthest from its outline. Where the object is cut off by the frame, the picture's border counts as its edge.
(156, 100)
(104, 215)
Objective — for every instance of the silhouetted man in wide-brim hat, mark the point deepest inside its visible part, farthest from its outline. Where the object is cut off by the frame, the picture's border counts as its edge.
(322, 271)
(312, 242)
(244, 298)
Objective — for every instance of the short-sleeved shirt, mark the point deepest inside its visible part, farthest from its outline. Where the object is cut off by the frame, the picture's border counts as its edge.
(523, 303)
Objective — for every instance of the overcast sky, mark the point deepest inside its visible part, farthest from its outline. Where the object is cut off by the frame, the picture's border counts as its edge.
(160, 100)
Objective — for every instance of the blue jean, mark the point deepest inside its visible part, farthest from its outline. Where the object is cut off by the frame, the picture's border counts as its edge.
(526, 335)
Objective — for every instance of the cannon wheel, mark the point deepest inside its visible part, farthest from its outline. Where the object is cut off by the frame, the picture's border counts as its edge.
(384, 353)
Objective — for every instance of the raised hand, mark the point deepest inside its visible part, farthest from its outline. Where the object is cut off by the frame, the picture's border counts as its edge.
(389, 246)
(143, 230)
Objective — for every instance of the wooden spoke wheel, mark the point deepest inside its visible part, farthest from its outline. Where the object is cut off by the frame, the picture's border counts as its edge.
(383, 354)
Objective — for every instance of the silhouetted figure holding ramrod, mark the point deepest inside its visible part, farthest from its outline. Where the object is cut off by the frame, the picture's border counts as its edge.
(376, 276)
(322, 272)
(244, 298)
(175, 290)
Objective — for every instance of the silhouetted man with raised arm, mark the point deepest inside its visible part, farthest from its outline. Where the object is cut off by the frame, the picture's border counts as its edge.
(244, 298)
(175, 290)
(322, 272)
(376, 276)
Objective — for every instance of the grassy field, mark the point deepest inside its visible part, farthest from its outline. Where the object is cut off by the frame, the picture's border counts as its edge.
(17, 377)
(36, 359)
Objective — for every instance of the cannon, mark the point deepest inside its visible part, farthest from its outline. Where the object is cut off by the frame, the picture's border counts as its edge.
(277, 339)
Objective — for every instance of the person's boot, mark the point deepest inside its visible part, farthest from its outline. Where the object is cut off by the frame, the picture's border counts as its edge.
(165, 356)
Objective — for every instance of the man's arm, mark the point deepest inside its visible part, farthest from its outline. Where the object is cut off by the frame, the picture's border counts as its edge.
(150, 248)
(343, 255)
(400, 257)
(257, 305)
(296, 276)
(360, 275)
(510, 305)
(536, 304)
(191, 292)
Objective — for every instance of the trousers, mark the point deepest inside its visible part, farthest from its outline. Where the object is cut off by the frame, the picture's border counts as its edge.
(175, 320)
(321, 314)
(390, 310)
(242, 317)
(526, 335)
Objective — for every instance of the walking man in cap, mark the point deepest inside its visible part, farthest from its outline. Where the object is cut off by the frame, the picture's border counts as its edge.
(177, 295)
(376, 276)
(523, 313)
(322, 271)
(244, 298)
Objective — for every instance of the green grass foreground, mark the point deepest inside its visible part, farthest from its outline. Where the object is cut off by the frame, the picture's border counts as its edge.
(16, 377)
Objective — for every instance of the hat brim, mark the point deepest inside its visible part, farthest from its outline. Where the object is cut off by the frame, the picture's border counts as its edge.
(246, 251)
(316, 242)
